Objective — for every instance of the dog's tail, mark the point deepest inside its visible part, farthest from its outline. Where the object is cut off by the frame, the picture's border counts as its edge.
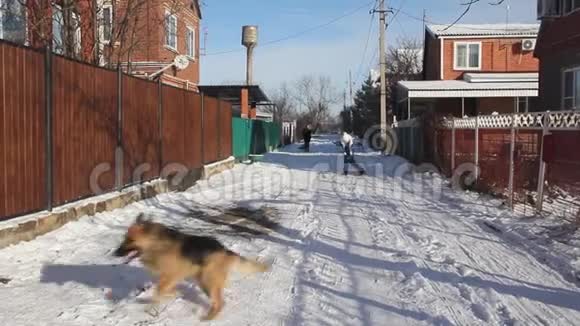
(247, 266)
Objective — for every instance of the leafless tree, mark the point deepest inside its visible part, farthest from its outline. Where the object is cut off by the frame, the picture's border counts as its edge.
(405, 60)
(284, 107)
(316, 95)
(127, 26)
(468, 4)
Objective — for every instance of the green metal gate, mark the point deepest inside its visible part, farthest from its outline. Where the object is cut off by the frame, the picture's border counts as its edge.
(254, 137)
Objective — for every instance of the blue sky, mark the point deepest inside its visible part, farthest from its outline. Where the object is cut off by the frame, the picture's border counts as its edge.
(332, 50)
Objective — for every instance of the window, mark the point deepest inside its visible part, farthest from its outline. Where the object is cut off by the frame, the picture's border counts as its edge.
(170, 30)
(190, 42)
(571, 5)
(13, 21)
(571, 96)
(76, 37)
(107, 23)
(65, 38)
(467, 56)
(523, 105)
(57, 30)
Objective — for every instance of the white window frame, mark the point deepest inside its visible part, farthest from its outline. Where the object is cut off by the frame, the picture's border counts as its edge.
(77, 37)
(22, 3)
(168, 16)
(525, 101)
(467, 45)
(57, 48)
(575, 105)
(111, 22)
(190, 40)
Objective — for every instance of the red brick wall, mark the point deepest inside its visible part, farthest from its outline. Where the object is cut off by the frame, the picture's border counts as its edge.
(498, 55)
(488, 105)
(184, 18)
(560, 34)
(558, 48)
(147, 44)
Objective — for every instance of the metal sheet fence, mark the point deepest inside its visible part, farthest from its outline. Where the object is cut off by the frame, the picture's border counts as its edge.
(69, 130)
(210, 130)
(141, 118)
(254, 137)
(225, 128)
(22, 130)
(84, 116)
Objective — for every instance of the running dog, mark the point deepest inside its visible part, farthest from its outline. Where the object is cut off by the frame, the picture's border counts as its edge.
(173, 257)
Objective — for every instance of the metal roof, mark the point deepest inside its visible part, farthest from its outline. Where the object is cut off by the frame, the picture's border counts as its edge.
(460, 88)
(478, 77)
(233, 93)
(529, 30)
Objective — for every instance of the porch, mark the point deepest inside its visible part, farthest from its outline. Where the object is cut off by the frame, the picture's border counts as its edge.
(476, 94)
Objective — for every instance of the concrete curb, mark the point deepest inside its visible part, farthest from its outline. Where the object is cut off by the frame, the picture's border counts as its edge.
(28, 227)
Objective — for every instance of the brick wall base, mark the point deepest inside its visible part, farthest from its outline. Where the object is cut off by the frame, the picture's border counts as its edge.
(29, 227)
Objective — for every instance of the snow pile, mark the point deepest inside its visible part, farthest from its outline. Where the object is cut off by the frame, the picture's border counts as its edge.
(394, 247)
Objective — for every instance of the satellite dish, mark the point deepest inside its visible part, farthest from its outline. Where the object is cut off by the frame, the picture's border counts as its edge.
(181, 62)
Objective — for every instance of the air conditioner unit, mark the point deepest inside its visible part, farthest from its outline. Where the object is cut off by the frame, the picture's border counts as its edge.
(529, 44)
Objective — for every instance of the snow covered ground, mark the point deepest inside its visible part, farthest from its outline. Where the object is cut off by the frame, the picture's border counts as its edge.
(389, 248)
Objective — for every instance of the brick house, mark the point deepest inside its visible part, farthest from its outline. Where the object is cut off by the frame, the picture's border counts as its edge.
(474, 69)
(142, 36)
(559, 53)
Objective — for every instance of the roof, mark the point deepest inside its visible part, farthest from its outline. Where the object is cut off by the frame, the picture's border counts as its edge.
(529, 30)
(477, 77)
(197, 7)
(461, 88)
(233, 93)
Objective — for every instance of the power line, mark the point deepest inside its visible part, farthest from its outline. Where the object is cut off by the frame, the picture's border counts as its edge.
(421, 19)
(301, 33)
(370, 29)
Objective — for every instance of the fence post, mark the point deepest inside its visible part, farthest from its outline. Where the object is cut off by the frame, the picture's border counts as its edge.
(476, 148)
(202, 129)
(49, 186)
(452, 145)
(542, 172)
(119, 152)
(511, 168)
(411, 132)
(160, 124)
(219, 131)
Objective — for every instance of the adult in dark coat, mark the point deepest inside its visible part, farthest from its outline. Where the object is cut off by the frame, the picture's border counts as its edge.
(307, 135)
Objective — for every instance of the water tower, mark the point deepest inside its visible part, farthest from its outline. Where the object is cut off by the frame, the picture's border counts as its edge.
(250, 41)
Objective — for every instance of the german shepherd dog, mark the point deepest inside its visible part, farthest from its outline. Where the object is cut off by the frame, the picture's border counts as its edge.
(173, 257)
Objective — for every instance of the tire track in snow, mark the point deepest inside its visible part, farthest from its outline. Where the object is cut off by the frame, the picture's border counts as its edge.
(499, 310)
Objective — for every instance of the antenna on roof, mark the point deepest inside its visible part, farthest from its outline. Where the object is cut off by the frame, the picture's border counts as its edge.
(205, 35)
(507, 15)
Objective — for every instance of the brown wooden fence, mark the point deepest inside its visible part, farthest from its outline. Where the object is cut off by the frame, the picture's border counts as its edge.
(69, 130)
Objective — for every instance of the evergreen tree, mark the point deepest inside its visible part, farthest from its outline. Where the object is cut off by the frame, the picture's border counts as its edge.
(366, 110)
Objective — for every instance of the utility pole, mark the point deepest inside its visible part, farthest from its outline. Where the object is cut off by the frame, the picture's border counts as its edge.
(383, 63)
(350, 85)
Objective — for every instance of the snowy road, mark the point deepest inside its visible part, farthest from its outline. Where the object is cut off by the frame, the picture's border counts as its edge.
(346, 250)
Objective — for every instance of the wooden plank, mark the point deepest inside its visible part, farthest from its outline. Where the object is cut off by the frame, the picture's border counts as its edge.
(3, 134)
(12, 136)
(210, 131)
(193, 127)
